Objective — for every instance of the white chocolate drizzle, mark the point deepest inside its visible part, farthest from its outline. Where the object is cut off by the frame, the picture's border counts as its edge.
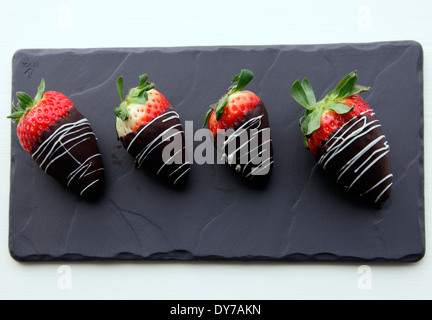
(253, 123)
(339, 142)
(150, 147)
(60, 143)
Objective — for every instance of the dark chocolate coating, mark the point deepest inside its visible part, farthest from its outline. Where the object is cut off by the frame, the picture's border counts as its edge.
(69, 152)
(363, 166)
(245, 153)
(148, 143)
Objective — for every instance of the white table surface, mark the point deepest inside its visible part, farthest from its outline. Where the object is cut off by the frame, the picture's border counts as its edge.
(166, 23)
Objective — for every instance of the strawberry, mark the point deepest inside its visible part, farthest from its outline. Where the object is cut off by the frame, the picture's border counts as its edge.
(243, 113)
(147, 125)
(238, 104)
(35, 116)
(142, 105)
(344, 135)
(60, 140)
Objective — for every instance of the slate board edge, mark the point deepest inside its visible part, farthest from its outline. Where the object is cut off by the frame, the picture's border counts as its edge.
(186, 256)
(209, 48)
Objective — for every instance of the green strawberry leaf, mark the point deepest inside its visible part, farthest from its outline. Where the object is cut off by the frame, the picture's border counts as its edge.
(143, 80)
(138, 94)
(304, 123)
(207, 117)
(16, 109)
(358, 89)
(238, 82)
(346, 88)
(244, 78)
(25, 103)
(304, 128)
(303, 94)
(16, 116)
(148, 87)
(24, 100)
(338, 107)
(121, 111)
(221, 106)
(314, 121)
(309, 123)
(144, 84)
(120, 88)
(299, 95)
(236, 78)
(302, 119)
(310, 95)
(40, 91)
(333, 95)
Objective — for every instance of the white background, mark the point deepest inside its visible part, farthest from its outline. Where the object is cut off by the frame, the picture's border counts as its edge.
(166, 23)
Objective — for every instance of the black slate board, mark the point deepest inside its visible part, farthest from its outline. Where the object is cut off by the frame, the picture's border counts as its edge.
(299, 215)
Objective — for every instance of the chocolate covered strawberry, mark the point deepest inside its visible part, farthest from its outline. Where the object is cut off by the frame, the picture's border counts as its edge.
(59, 139)
(344, 135)
(240, 126)
(150, 130)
